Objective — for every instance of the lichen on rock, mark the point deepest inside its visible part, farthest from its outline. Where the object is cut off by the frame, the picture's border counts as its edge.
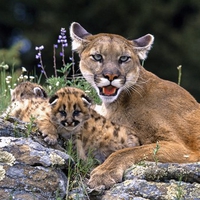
(56, 159)
(6, 158)
(2, 173)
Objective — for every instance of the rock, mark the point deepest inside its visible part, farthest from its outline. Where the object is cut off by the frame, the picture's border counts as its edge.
(32, 170)
(161, 181)
(28, 169)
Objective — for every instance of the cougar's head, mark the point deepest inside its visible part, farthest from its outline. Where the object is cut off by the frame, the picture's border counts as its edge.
(109, 62)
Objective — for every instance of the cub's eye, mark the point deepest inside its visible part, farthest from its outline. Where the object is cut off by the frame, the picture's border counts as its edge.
(63, 113)
(123, 59)
(97, 57)
(76, 113)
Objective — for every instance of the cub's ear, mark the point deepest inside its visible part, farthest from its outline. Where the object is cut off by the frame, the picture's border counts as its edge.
(87, 101)
(78, 34)
(142, 45)
(53, 100)
(39, 92)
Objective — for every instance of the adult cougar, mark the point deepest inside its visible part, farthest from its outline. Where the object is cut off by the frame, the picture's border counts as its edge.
(160, 111)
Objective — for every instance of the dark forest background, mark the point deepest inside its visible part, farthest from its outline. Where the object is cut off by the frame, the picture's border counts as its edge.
(174, 23)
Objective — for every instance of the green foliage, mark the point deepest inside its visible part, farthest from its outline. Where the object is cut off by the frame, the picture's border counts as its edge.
(11, 56)
(78, 173)
(155, 153)
(179, 74)
(30, 126)
(179, 189)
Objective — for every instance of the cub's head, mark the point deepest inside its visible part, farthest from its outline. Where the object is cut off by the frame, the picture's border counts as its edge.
(110, 63)
(27, 90)
(70, 107)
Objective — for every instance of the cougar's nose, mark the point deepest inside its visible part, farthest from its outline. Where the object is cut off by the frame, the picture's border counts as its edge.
(110, 77)
(111, 74)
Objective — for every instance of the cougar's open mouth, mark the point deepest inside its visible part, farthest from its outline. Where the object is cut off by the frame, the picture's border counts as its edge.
(108, 90)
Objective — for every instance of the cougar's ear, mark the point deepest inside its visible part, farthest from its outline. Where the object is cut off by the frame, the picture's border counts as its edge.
(39, 92)
(53, 100)
(87, 101)
(78, 34)
(142, 45)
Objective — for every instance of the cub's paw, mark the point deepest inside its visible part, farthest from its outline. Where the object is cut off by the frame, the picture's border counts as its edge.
(50, 139)
(105, 177)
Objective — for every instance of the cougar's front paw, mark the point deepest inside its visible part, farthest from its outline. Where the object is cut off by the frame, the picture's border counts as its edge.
(105, 176)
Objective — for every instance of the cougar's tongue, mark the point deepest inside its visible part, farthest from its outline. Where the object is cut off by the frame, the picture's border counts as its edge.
(109, 90)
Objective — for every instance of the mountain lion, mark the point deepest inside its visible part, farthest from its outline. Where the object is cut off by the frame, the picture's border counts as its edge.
(162, 112)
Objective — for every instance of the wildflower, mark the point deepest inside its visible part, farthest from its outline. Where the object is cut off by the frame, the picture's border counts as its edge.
(38, 56)
(8, 78)
(62, 38)
(24, 69)
(25, 77)
(20, 78)
(7, 81)
(57, 83)
(39, 48)
(5, 67)
(50, 87)
(31, 77)
(55, 46)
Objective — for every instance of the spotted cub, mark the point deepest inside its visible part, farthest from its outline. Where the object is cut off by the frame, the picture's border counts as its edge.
(29, 102)
(92, 132)
(27, 90)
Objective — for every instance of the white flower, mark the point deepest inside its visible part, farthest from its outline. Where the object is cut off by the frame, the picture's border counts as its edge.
(8, 77)
(26, 77)
(5, 66)
(21, 77)
(7, 81)
(50, 87)
(31, 77)
(57, 84)
(24, 69)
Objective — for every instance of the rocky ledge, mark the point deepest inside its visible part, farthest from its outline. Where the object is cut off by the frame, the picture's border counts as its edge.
(31, 170)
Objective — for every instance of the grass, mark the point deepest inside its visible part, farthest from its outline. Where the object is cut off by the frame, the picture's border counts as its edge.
(78, 174)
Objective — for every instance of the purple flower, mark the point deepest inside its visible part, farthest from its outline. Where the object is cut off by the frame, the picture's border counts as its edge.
(39, 48)
(62, 38)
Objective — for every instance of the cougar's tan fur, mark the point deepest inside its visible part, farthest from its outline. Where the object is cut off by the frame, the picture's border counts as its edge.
(162, 112)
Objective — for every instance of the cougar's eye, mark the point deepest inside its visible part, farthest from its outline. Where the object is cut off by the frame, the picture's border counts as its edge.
(123, 59)
(97, 57)
(76, 112)
(63, 113)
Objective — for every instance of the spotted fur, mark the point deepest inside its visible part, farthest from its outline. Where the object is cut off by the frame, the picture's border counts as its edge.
(92, 132)
(26, 90)
(29, 102)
